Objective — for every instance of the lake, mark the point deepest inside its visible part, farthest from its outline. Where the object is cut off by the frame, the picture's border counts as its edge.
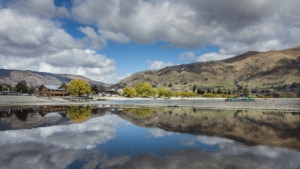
(137, 137)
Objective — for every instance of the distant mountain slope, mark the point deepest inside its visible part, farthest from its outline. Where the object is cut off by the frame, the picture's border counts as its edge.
(251, 68)
(33, 78)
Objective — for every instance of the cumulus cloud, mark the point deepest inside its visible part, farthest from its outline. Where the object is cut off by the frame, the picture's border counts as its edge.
(74, 61)
(29, 36)
(244, 25)
(213, 57)
(157, 132)
(92, 39)
(83, 62)
(156, 64)
(39, 44)
(98, 130)
(187, 56)
(34, 7)
(214, 140)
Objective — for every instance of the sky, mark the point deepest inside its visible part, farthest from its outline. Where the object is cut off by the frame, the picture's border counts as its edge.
(110, 40)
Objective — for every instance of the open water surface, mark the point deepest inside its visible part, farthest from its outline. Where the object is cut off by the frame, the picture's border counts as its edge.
(75, 137)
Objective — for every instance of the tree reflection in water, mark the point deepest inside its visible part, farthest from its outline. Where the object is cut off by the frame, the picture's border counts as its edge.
(79, 114)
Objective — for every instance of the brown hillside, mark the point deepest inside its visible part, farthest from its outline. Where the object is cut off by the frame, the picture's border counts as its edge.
(251, 68)
(33, 78)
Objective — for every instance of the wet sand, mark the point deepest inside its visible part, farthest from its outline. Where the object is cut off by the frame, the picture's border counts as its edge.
(260, 103)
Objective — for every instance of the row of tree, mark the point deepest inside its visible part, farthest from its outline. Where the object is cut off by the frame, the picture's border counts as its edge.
(21, 87)
(76, 87)
(146, 90)
(285, 90)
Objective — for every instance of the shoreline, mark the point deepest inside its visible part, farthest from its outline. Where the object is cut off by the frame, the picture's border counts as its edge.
(292, 104)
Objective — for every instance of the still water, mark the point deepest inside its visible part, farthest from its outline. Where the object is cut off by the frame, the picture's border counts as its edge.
(74, 137)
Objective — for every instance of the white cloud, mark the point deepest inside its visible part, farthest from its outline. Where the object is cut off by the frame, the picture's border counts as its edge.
(41, 8)
(157, 132)
(98, 130)
(62, 12)
(115, 36)
(74, 61)
(29, 42)
(230, 24)
(213, 57)
(214, 140)
(187, 56)
(82, 62)
(93, 39)
(29, 36)
(156, 64)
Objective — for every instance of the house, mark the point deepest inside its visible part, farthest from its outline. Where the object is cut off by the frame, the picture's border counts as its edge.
(111, 92)
(51, 90)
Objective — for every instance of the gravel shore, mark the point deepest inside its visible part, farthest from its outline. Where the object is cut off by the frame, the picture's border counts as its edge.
(260, 103)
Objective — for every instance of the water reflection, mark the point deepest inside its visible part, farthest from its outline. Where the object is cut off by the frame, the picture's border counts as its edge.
(252, 127)
(40, 116)
(165, 137)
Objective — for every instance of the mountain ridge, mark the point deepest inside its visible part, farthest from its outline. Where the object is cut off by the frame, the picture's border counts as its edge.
(251, 68)
(34, 78)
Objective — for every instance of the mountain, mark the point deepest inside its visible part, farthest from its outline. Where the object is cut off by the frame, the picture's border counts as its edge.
(251, 68)
(34, 78)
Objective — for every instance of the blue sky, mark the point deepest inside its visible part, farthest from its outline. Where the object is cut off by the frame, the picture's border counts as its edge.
(109, 40)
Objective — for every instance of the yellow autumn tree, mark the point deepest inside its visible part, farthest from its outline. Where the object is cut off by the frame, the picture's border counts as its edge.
(162, 92)
(129, 92)
(144, 90)
(79, 87)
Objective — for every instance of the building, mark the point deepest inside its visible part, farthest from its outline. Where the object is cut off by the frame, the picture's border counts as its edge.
(51, 90)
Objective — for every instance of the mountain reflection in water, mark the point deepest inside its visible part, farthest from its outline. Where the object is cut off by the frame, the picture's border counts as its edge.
(164, 137)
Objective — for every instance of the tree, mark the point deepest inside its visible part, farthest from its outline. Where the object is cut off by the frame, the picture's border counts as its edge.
(246, 92)
(63, 86)
(162, 92)
(219, 91)
(195, 88)
(201, 91)
(79, 87)
(5, 87)
(95, 89)
(30, 90)
(144, 90)
(21, 87)
(129, 92)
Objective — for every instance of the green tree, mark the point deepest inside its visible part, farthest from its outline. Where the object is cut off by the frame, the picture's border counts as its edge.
(95, 89)
(79, 87)
(144, 90)
(64, 86)
(21, 87)
(246, 92)
(219, 91)
(195, 88)
(129, 92)
(30, 90)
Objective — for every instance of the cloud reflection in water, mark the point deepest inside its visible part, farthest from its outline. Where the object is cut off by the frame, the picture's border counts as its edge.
(77, 146)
